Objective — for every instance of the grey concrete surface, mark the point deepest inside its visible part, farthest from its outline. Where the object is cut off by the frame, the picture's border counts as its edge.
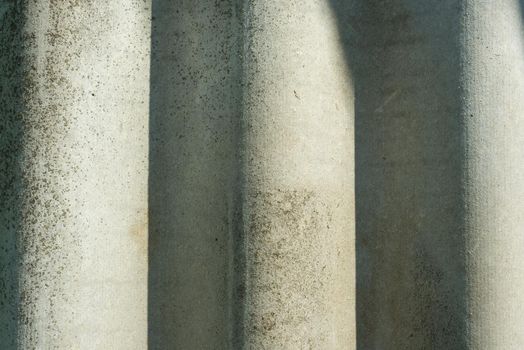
(298, 198)
(194, 120)
(251, 245)
(409, 205)
(492, 54)
(438, 99)
(269, 125)
(74, 111)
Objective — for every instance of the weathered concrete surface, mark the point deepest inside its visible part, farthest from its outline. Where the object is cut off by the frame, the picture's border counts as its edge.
(251, 226)
(439, 142)
(297, 171)
(410, 252)
(74, 103)
(195, 113)
(251, 174)
(492, 56)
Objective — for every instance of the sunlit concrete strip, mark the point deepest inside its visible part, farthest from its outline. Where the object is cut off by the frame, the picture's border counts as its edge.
(298, 199)
(493, 114)
(74, 110)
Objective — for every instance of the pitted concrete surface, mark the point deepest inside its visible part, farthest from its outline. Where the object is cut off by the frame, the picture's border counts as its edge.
(297, 171)
(232, 104)
(194, 120)
(269, 124)
(492, 57)
(74, 215)
(438, 98)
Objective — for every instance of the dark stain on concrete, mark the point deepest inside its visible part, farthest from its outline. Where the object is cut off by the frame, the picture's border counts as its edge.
(286, 266)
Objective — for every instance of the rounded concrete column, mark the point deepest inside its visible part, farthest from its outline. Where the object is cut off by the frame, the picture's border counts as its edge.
(409, 154)
(195, 112)
(298, 198)
(439, 144)
(73, 216)
(493, 114)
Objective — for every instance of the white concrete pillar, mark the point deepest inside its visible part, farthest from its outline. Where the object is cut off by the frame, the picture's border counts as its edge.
(298, 199)
(493, 114)
(74, 130)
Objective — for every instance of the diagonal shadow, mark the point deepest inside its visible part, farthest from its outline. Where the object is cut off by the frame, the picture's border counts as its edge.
(411, 289)
(410, 247)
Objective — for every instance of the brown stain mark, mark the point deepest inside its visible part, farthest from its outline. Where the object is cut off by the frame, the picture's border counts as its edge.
(139, 232)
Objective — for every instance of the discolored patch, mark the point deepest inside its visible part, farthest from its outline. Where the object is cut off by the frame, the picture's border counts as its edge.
(289, 269)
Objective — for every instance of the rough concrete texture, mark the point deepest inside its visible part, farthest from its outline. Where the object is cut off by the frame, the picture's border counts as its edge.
(270, 123)
(404, 55)
(74, 109)
(266, 264)
(439, 138)
(492, 53)
(297, 171)
(194, 119)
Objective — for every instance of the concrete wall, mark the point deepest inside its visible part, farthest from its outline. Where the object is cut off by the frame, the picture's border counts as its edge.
(438, 142)
(234, 174)
(194, 121)
(297, 171)
(493, 113)
(251, 178)
(405, 56)
(74, 111)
